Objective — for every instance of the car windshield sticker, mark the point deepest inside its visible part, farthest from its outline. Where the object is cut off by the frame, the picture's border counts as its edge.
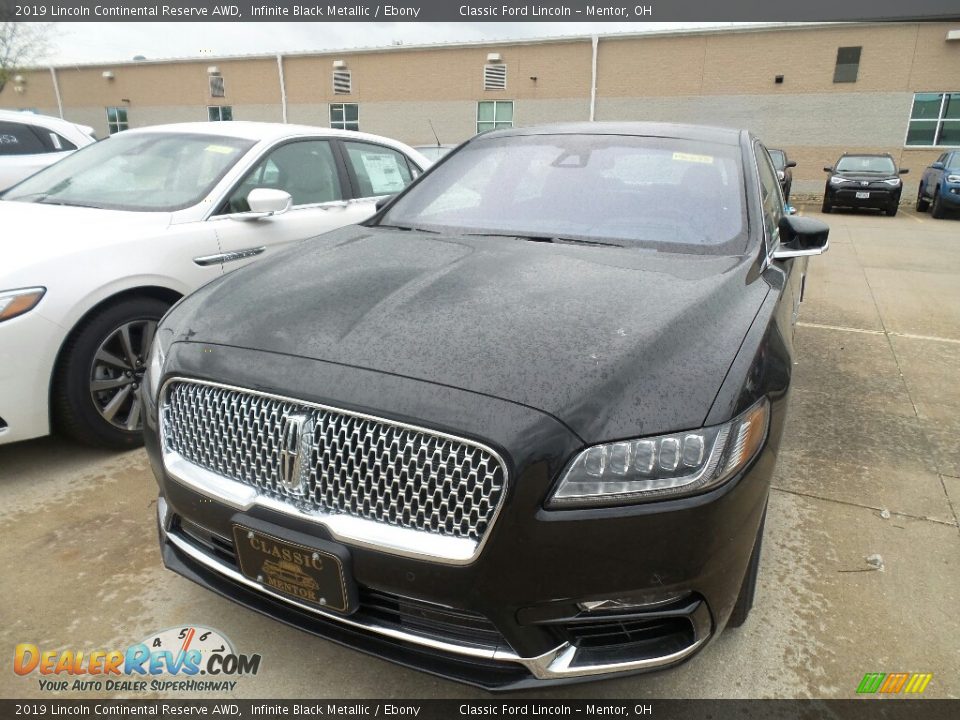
(688, 157)
(384, 173)
(9, 140)
(222, 149)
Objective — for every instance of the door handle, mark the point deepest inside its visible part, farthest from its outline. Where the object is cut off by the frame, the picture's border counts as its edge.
(232, 256)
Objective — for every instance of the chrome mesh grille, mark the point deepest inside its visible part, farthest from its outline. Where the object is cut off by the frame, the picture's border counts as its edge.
(372, 469)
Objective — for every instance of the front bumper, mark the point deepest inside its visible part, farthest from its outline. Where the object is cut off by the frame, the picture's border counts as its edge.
(495, 667)
(950, 195)
(28, 350)
(881, 196)
(508, 619)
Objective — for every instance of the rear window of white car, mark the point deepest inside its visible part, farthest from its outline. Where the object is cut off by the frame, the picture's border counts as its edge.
(19, 139)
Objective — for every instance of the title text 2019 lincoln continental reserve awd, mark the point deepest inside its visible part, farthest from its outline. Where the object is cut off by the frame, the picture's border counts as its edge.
(517, 428)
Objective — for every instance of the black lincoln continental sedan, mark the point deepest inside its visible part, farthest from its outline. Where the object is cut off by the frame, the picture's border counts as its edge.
(518, 428)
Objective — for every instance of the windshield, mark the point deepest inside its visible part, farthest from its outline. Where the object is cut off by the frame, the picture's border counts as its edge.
(658, 193)
(867, 164)
(158, 171)
(779, 159)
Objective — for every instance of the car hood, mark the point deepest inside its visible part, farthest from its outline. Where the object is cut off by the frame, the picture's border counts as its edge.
(35, 232)
(871, 177)
(613, 342)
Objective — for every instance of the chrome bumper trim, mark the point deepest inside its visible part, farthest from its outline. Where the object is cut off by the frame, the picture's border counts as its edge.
(354, 531)
(558, 663)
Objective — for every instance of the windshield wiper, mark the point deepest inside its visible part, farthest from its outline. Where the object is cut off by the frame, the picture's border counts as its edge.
(46, 201)
(546, 239)
(409, 228)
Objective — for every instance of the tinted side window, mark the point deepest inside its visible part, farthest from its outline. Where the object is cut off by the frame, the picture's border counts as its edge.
(379, 170)
(769, 194)
(305, 169)
(19, 139)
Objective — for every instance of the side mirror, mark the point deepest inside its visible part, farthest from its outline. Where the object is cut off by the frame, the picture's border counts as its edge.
(937, 165)
(801, 237)
(384, 201)
(792, 163)
(828, 169)
(268, 201)
(903, 171)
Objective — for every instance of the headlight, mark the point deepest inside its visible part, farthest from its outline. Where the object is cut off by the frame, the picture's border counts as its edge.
(158, 355)
(893, 181)
(683, 463)
(837, 180)
(17, 302)
(780, 175)
(953, 178)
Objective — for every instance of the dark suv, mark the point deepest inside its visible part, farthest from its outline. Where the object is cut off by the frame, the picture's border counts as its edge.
(939, 189)
(784, 174)
(864, 181)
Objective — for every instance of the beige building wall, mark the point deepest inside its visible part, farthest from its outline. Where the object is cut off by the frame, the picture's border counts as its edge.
(719, 77)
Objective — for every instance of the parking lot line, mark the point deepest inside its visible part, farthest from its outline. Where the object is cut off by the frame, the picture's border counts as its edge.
(910, 336)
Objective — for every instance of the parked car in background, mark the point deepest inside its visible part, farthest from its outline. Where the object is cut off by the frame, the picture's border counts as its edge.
(555, 368)
(96, 248)
(434, 152)
(864, 181)
(939, 189)
(784, 173)
(29, 143)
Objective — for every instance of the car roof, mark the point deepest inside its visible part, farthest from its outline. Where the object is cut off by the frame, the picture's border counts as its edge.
(886, 155)
(45, 121)
(253, 130)
(271, 132)
(704, 133)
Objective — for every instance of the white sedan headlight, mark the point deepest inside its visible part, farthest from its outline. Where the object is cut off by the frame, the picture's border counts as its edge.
(683, 463)
(17, 302)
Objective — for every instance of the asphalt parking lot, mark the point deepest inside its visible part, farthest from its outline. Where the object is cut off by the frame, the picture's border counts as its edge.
(870, 466)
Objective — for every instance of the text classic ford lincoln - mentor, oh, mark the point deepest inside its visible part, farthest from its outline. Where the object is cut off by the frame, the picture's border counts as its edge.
(517, 428)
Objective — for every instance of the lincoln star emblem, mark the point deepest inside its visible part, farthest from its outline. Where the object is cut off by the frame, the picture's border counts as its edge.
(294, 446)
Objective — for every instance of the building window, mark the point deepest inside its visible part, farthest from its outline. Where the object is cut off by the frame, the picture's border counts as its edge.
(342, 82)
(848, 64)
(116, 119)
(216, 86)
(494, 114)
(345, 116)
(495, 77)
(219, 112)
(934, 119)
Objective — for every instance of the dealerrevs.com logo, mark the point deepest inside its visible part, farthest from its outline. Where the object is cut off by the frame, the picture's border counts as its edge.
(185, 659)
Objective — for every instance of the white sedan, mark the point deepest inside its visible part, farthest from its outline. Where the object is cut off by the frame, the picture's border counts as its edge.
(29, 143)
(96, 248)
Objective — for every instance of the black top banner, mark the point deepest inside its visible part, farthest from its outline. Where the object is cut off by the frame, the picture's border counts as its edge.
(474, 11)
(492, 708)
